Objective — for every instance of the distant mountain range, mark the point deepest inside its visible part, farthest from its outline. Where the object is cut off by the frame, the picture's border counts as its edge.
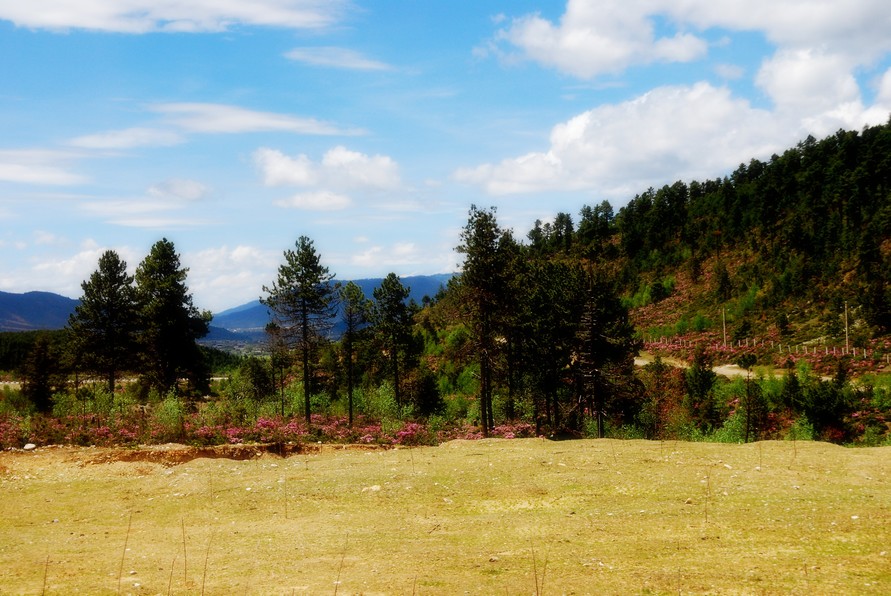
(248, 321)
(34, 310)
(43, 310)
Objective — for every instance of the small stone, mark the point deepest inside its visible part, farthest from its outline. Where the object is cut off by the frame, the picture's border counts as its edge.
(688, 502)
(493, 559)
(30, 447)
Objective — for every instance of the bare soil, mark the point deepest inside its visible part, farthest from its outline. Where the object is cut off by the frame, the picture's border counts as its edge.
(482, 517)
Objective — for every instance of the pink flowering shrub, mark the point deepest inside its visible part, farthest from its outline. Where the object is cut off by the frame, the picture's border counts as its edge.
(11, 434)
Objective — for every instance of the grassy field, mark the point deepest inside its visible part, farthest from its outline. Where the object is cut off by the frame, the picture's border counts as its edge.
(483, 517)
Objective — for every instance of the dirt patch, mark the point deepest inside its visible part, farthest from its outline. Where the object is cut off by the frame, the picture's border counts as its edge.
(174, 454)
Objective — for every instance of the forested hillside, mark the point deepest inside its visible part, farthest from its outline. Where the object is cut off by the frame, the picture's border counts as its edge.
(795, 238)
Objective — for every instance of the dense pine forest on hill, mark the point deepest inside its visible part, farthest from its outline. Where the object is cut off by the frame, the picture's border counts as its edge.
(780, 269)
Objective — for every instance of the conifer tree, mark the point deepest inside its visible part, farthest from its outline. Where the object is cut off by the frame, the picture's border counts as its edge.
(104, 325)
(302, 300)
(484, 283)
(392, 321)
(354, 312)
(171, 325)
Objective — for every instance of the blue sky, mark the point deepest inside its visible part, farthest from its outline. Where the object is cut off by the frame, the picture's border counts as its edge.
(232, 128)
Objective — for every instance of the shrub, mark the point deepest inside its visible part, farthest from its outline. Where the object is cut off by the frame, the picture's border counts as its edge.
(167, 420)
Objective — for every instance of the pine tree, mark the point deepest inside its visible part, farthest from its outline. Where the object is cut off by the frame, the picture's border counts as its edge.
(484, 283)
(302, 301)
(392, 321)
(41, 375)
(104, 325)
(355, 313)
(171, 325)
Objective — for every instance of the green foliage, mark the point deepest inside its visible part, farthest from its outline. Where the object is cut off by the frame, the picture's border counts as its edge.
(171, 325)
(391, 315)
(302, 300)
(42, 375)
(733, 430)
(168, 417)
(800, 430)
(380, 403)
(105, 325)
(16, 345)
(650, 293)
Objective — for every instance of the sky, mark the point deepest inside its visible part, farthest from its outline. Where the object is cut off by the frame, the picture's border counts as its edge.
(231, 128)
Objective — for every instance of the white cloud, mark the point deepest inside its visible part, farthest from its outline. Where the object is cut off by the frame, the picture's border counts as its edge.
(592, 39)
(667, 134)
(400, 254)
(695, 130)
(38, 166)
(128, 138)
(279, 169)
(855, 28)
(340, 169)
(359, 170)
(221, 118)
(63, 274)
(179, 188)
(143, 16)
(884, 88)
(322, 200)
(335, 57)
(595, 38)
(808, 81)
(154, 210)
(224, 277)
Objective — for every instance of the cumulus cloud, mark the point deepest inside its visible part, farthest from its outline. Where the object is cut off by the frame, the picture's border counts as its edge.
(128, 138)
(38, 166)
(339, 168)
(221, 118)
(694, 130)
(591, 39)
(335, 57)
(339, 171)
(224, 276)
(808, 81)
(667, 134)
(144, 16)
(595, 38)
(63, 273)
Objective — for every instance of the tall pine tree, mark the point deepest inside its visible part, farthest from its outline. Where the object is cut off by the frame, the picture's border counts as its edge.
(302, 300)
(104, 325)
(171, 325)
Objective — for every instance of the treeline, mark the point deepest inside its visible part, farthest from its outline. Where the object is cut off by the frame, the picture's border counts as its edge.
(143, 325)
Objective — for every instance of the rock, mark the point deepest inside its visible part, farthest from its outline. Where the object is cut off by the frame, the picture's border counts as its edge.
(30, 447)
(688, 502)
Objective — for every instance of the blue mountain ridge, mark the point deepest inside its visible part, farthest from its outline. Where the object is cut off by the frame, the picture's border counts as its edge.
(254, 316)
(44, 310)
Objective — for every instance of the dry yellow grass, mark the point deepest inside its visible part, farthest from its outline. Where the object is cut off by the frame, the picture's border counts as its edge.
(483, 517)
